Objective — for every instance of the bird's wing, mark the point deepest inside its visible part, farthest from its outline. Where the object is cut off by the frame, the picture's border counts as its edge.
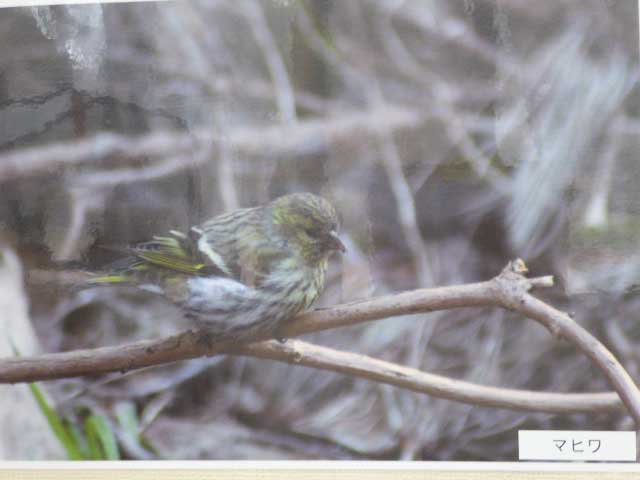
(178, 253)
(162, 257)
(232, 245)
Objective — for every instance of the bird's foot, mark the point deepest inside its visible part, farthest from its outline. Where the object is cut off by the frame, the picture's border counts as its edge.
(279, 335)
(207, 339)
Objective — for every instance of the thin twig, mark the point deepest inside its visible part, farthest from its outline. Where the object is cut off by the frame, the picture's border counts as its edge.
(297, 352)
(405, 206)
(277, 69)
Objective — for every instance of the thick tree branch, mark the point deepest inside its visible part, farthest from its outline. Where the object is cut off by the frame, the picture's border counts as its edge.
(508, 290)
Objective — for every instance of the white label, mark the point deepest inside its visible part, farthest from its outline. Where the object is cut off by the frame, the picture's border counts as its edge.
(586, 445)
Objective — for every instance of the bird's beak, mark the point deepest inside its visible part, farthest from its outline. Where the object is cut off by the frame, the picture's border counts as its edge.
(335, 243)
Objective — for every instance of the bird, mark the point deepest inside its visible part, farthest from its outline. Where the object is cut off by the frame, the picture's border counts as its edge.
(243, 274)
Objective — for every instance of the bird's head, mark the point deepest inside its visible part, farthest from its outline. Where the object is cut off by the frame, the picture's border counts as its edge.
(308, 224)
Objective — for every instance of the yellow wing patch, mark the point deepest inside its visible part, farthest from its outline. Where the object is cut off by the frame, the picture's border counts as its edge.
(111, 279)
(171, 261)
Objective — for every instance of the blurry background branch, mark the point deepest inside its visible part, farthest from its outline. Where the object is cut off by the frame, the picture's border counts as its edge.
(310, 137)
(508, 290)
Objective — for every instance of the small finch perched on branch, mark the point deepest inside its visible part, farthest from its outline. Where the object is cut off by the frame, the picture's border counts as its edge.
(243, 273)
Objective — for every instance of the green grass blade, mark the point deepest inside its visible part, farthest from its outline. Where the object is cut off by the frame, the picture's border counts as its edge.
(56, 423)
(102, 441)
(78, 438)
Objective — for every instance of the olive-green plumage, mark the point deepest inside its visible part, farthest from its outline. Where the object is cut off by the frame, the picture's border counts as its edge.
(242, 273)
